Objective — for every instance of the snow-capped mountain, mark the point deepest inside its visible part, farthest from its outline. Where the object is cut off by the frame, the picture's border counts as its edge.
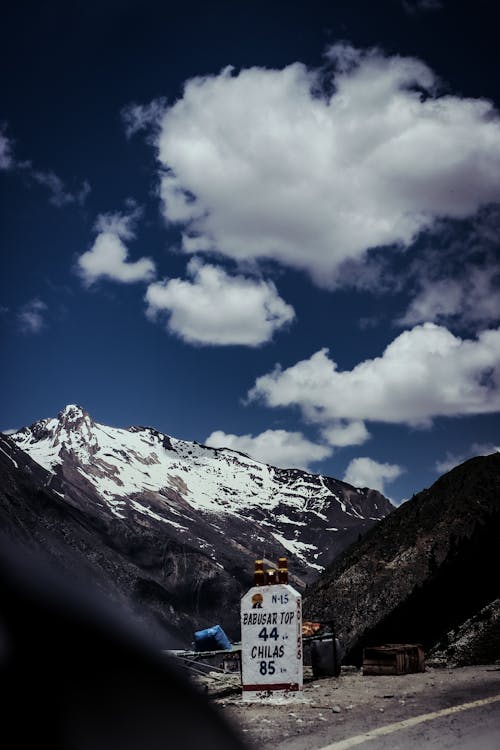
(193, 518)
(170, 480)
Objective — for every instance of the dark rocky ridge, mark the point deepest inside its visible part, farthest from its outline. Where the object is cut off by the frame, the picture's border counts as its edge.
(423, 571)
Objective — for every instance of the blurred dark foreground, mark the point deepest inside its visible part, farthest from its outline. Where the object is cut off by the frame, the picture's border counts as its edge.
(74, 675)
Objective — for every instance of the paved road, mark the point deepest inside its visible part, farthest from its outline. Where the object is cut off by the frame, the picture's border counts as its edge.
(440, 709)
(471, 726)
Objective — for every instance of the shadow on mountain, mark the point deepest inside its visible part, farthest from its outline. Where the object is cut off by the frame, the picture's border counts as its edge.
(423, 571)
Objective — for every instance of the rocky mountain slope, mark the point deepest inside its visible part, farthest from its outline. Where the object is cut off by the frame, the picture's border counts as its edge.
(173, 526)
(37, 520)
(423, 571)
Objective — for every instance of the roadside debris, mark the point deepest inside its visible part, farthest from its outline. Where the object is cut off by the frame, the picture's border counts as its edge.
(393, 658)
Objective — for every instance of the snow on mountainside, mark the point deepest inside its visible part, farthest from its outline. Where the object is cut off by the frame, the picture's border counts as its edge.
(174, 482)
(170, 527)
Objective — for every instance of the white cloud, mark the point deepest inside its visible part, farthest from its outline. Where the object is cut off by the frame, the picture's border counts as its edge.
(436, 300)
(275, 447)
(424, 373)
(6, 160)
(266, 163)
(453, 277)
(451, 459)
(341, 434)
(365, 472)
(137, 117)
(120, 224)
(216, 308)
(108, 256)
(472, 298)
(31, 316)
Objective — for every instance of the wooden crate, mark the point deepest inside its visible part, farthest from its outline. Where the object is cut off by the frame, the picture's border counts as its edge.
(393, 658)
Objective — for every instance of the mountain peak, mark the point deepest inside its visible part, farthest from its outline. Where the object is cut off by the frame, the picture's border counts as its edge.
(72, 413)
(74, 418)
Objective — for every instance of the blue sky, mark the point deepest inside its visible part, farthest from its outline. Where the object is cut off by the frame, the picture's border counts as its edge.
(271, 226)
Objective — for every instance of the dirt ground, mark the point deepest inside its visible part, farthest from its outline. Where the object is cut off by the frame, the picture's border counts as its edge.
(351, 703)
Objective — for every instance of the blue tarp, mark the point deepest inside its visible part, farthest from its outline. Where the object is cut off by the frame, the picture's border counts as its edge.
(212, 639)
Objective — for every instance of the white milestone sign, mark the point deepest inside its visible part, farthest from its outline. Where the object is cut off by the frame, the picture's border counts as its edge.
(271, 641)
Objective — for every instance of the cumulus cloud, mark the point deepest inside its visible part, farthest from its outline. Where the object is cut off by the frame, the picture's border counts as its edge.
(137, 117)
(341, 434)
(216, 308)
(31, 316)
(120, 224)
(438, 300)
(365, 472)
(272, 164)
(424, 373)
(108, 256)
(451, 459)
(453, 277)
(473, 298)
(275, 447)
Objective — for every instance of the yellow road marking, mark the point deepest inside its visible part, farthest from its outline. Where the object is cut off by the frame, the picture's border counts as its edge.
(407, 723)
